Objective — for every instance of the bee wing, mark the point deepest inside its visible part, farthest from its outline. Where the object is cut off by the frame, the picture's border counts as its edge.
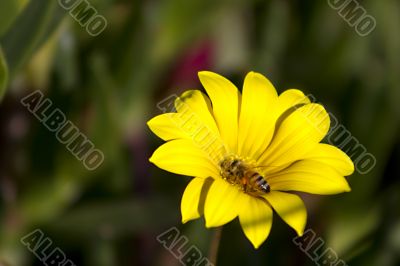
(266, 167)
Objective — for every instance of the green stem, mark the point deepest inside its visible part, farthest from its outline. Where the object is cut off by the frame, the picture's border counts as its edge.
(214, 246)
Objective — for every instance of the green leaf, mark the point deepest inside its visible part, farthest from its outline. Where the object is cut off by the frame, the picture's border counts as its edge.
(8, 12)
(118, 218)
(26, 33)
(3, 74)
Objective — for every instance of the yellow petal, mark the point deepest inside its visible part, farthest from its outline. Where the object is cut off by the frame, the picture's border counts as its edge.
(225, 98)
(166, 127)
(257, 120)
(195, 119)
(289, 99)
(222, 204)
(299, 133)
(256, 220)
(290, 208)
(311, 177)
(182, 157)
(194, 105)
(193, 198)
(332, 156)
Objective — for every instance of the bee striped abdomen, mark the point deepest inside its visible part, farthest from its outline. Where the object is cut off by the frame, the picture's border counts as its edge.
(260, 182)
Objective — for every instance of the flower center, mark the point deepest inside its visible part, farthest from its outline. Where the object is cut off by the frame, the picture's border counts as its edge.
(244, 176)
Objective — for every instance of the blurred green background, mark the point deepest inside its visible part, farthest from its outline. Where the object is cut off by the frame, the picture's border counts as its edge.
(109, 86)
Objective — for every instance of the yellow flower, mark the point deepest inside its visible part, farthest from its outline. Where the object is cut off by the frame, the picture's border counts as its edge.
(229, 143)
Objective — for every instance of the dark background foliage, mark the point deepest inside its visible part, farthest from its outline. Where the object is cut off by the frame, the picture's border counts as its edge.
(109, 86)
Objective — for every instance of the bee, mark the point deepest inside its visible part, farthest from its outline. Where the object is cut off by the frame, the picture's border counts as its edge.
(238, 173)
